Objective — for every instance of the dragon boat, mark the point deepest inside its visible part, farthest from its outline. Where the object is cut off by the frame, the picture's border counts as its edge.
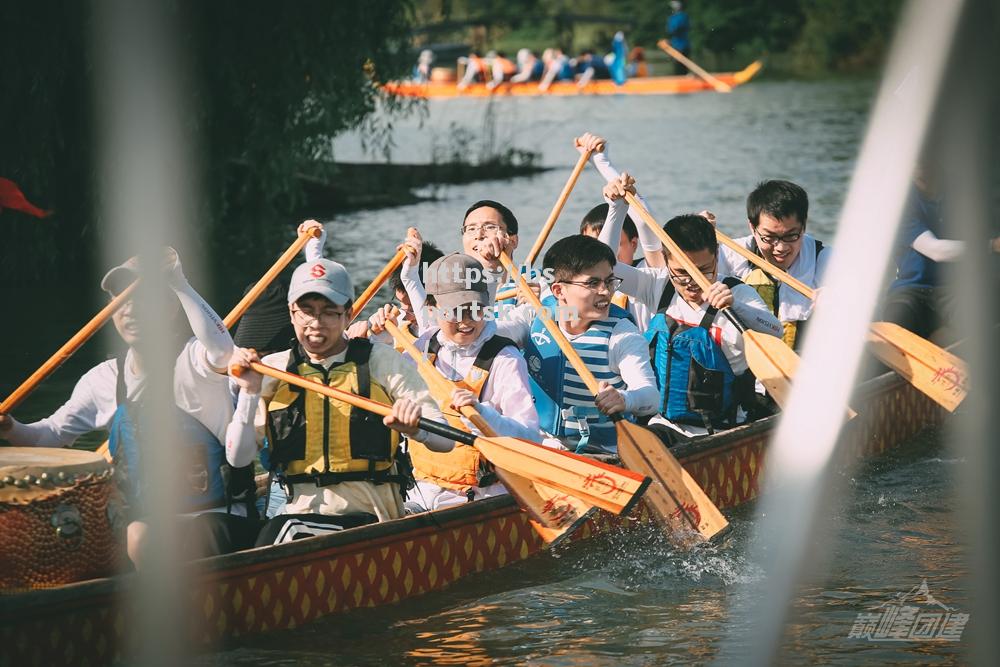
(285, 586)
(652, 85)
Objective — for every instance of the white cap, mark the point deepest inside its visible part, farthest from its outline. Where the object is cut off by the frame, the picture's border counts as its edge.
(324, 277)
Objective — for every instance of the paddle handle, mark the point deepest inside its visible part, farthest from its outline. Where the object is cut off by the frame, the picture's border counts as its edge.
(557, 335)
(720, 86)
(376, 284)
(237, 312)
(67, 350)
(439, 386)
(557, 209)
(361, 402)
(762, 263)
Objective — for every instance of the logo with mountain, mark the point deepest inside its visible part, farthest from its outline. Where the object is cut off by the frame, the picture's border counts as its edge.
(914, 616)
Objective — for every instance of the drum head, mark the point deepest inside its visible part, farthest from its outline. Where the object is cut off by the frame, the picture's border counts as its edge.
(32, 472)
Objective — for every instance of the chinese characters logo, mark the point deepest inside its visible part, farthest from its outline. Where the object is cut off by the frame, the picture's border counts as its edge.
(913, 616)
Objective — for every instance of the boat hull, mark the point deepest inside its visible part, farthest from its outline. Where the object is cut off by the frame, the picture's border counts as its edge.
(653, 85)
(285, 586)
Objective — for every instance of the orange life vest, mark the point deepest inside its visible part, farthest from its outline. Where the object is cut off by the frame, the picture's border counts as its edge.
(463, 468)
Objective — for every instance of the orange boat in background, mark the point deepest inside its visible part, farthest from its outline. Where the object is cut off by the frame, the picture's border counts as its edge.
(653, 85)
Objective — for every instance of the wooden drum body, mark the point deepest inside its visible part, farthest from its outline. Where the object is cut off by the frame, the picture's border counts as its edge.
(61, 517)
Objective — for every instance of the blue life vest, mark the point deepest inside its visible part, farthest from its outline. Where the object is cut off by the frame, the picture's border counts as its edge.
(210, 481)
(697, 385)
(565, 406)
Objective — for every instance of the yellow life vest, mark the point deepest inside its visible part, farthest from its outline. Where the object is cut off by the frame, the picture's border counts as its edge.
(620, 299)
(767, 286)
(314, 438)
(463, 467)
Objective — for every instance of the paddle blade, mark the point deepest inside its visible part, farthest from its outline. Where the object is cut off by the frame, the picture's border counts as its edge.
(554, 515)
(772, 362)
(676, 500)
(934, 371)
(605, 486)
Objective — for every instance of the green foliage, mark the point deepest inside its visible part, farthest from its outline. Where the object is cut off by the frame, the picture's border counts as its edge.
(273, 84)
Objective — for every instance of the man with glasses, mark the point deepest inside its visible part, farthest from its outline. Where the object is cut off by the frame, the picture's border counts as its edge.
(697, 353)
(584, 281)
(338, 464)
(777, 212)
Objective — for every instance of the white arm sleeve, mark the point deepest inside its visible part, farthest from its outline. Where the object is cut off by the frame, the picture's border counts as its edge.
(939, 250)
(314, 247)
(241, 436)
(629, 354)
(751, 309)
(647, 238)
(207, 326)
(611, 232)
(410, 277)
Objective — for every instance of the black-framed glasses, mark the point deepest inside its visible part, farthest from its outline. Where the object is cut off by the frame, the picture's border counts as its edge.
(686, 280)
(325, 317)
(772, 240)
(489, 229)
(612, 283)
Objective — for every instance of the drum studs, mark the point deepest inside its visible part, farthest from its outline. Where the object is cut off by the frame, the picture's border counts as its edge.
(8, 480)
(61, 476)
(30, 479)
(20, 483)
(46, 477)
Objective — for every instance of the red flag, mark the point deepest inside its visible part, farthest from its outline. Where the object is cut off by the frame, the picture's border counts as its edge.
(12, 197)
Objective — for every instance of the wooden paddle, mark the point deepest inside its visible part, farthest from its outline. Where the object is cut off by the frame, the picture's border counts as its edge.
(936, 372)
(66, 351)
(606, 486)
(554, 515)
(543, 235)
(376, 284)
(770, 359)
(720, 86)
(240, 308)
(676, 500)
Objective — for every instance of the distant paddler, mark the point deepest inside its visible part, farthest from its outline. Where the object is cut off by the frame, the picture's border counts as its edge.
(477, 70)
(502, 68)
(678, 32)
(529, 67)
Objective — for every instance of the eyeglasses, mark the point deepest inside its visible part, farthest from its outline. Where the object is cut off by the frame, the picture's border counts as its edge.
(489, 229)
(771, 240)
(612, 283)
(324, 318)
(686, 280)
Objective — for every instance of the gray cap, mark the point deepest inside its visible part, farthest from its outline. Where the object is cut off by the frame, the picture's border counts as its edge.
(324, 277)
(457, 279)
(120, 277)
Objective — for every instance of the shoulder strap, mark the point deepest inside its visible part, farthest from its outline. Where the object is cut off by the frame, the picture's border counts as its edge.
(665, 297)
(710, 313)
(433, 345)
(121, 391)
(359, 351)
(489, 351)
(819, 247)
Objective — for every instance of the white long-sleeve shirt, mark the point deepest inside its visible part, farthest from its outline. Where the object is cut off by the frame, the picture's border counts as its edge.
(647, 285)
(199, 390)
(505, 402)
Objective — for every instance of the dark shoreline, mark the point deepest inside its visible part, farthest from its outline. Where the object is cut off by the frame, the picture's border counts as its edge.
(355, 186)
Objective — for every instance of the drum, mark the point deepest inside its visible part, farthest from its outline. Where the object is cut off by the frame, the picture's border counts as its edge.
(61, 517)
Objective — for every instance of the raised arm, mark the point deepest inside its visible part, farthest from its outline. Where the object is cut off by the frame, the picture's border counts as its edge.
(206, 324)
